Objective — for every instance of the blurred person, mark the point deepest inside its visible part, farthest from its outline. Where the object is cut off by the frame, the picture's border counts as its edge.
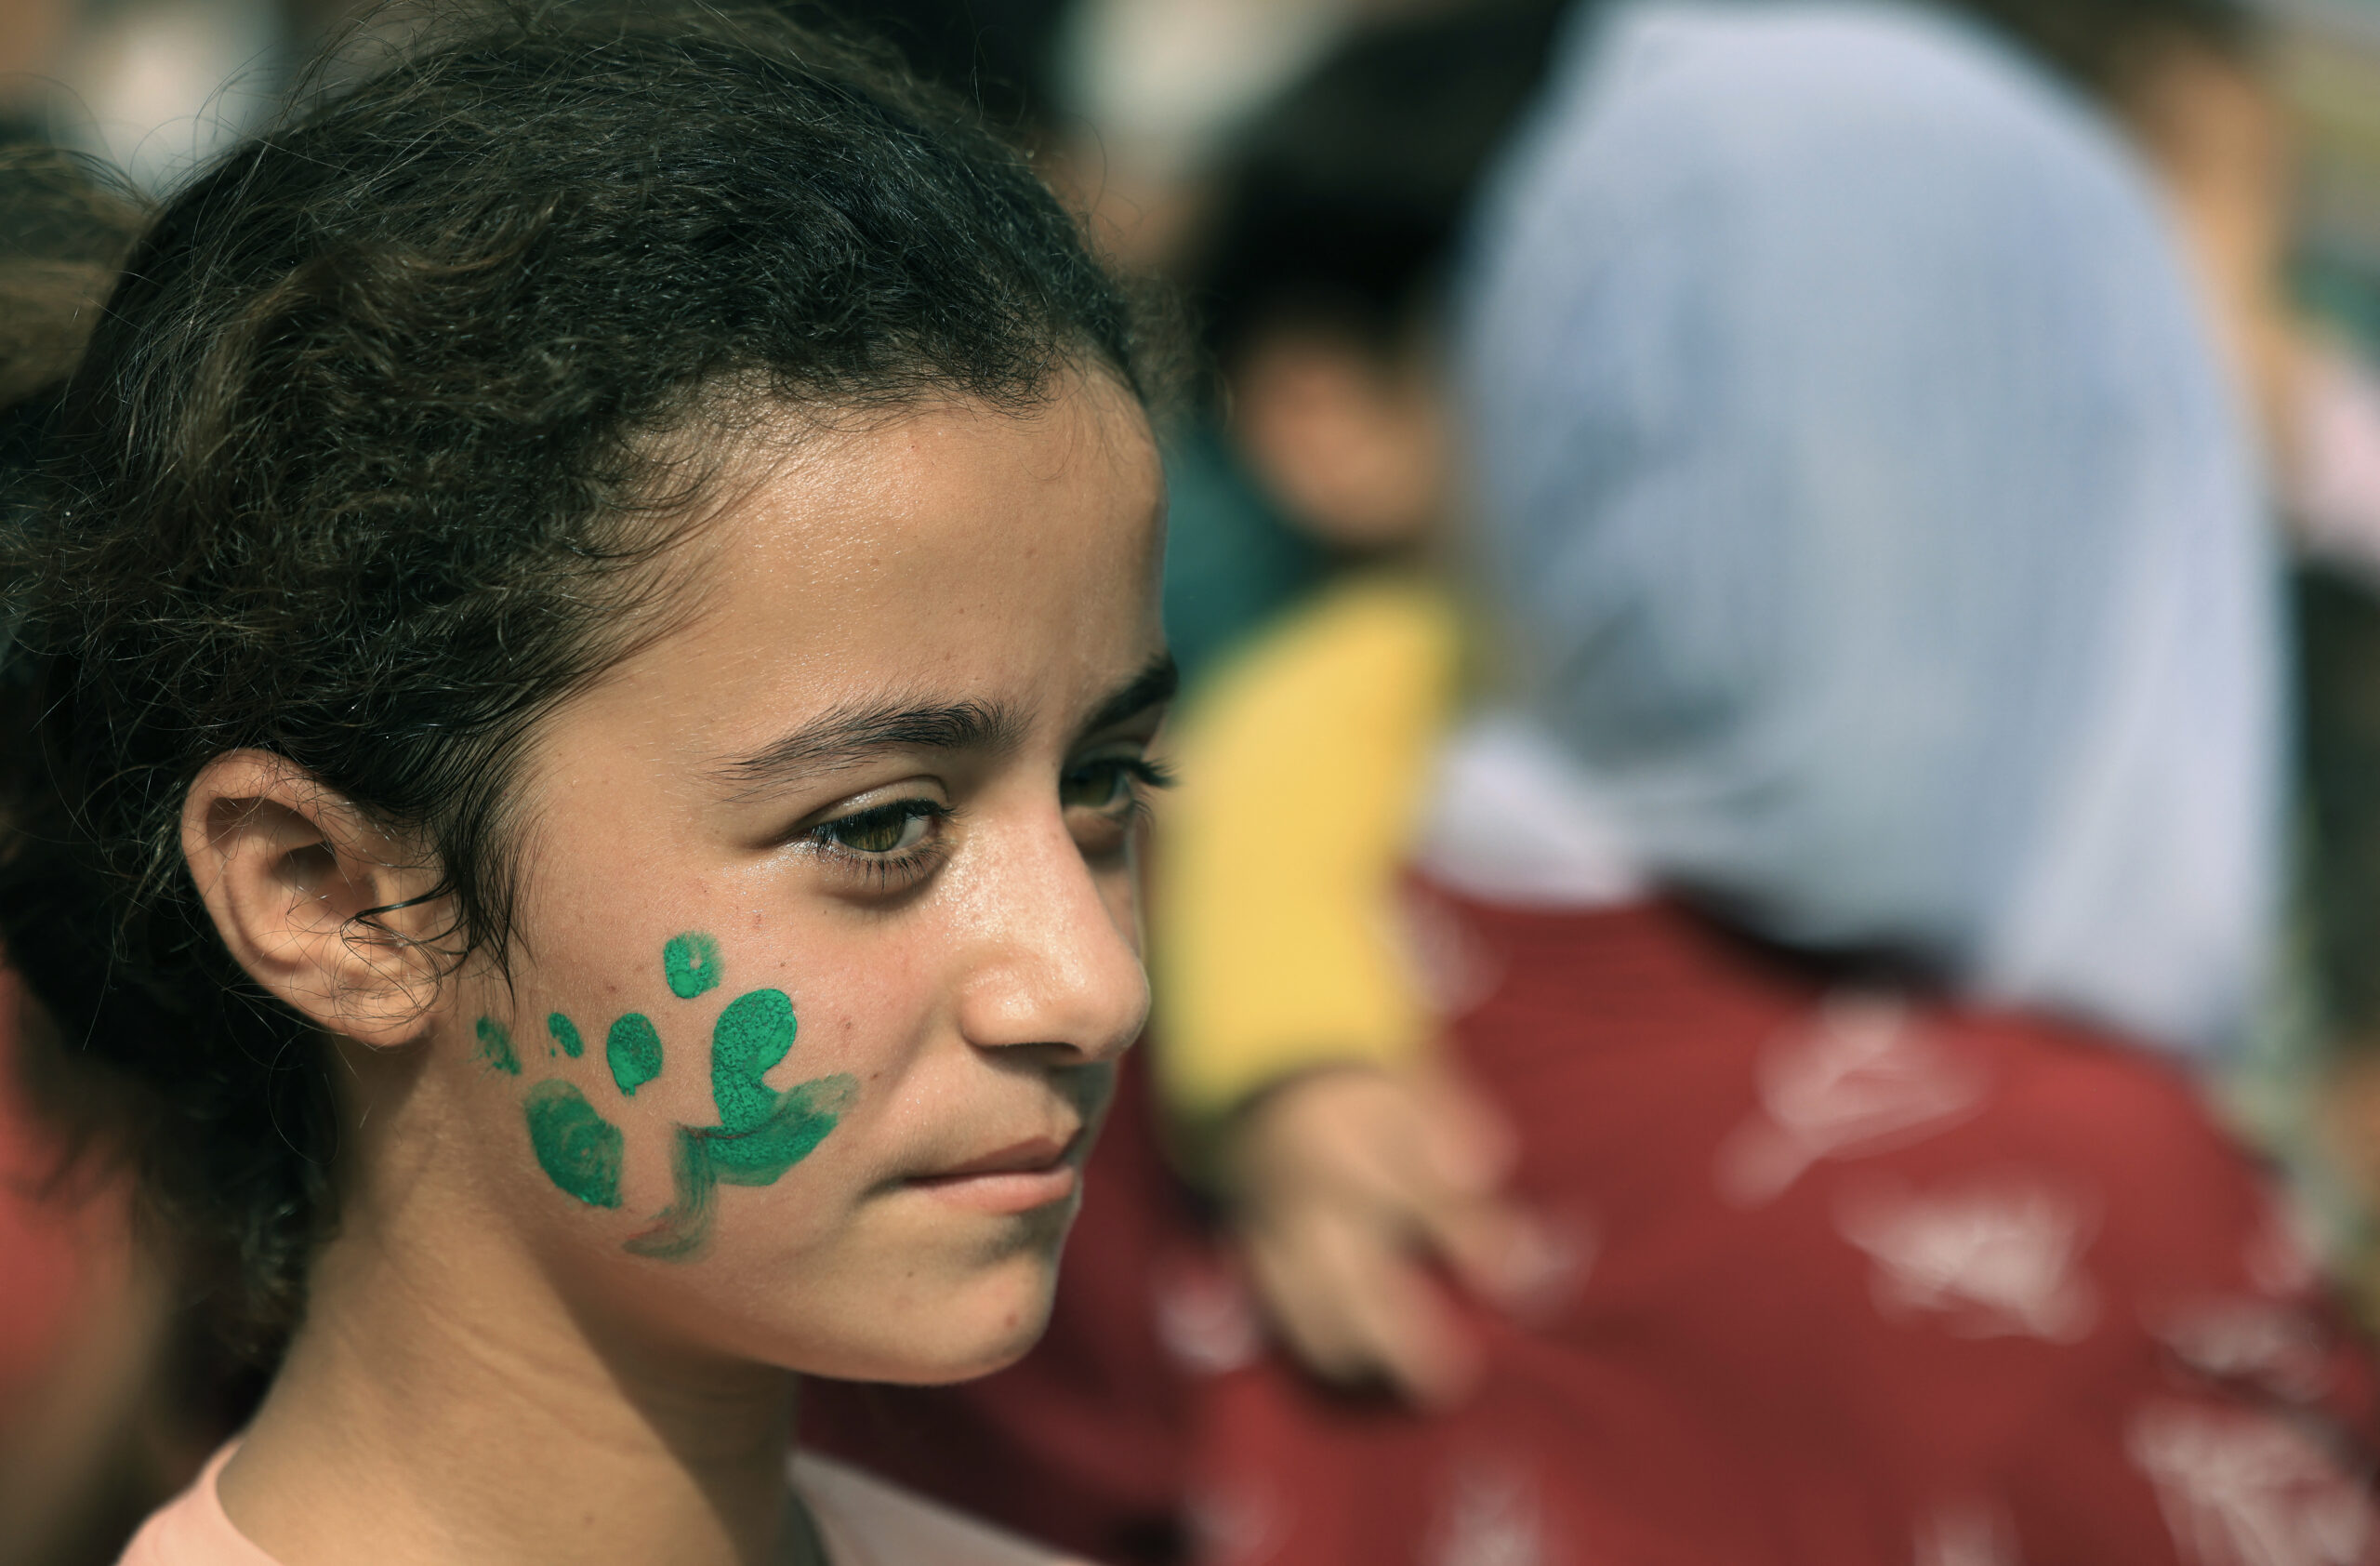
(2178, 76)
(1886, 825)
(441, 641)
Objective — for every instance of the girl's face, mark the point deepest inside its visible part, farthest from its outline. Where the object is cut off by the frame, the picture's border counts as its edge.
(829, 940)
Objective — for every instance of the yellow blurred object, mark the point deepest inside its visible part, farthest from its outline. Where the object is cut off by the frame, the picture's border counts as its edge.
(1274, 909)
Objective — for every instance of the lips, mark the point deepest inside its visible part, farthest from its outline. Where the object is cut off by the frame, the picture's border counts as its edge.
(1017, 1177)
(1033, 1155)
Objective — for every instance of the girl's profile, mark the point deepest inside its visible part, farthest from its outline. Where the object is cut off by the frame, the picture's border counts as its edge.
(593, 603)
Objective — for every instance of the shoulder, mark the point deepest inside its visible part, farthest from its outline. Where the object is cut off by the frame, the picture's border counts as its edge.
(866, 1521)
(191, 1530)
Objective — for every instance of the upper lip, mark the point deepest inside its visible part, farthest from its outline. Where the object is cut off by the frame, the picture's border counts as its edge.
(1015, 1157)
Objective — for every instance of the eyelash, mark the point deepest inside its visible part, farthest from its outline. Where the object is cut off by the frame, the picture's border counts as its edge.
(889, 868)
(886, 870)
(1142, 776)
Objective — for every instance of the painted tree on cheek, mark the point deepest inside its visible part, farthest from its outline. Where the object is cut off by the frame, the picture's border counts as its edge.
(761, 1132)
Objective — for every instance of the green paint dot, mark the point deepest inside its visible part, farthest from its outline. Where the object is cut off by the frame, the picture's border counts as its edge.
(565, 1033)
(495, 1047)
(752, 1034)
(633, 1050)
(691, 961)
(807, 1111)
(578, 1149)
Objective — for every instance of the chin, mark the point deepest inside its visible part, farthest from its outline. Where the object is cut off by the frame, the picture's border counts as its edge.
(978, 1325)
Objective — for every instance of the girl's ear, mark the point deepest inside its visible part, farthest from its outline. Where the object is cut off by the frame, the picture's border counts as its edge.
(288, 868)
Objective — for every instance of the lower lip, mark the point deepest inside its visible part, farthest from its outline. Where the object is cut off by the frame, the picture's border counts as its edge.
(1013, 1190)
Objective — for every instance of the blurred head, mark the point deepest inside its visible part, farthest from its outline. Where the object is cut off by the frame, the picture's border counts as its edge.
(1323, 272)
(1878, 525)
(595, 604)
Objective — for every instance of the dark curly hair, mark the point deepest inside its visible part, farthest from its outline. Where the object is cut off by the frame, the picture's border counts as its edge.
(367, 461)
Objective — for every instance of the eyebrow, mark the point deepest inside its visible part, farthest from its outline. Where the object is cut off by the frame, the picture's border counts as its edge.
(1153, 686)
(852, 736)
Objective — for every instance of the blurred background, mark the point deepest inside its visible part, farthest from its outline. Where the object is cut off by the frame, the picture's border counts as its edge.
(1308, 206)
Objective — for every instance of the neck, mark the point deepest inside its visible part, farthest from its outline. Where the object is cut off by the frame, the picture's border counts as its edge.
(443, 1403)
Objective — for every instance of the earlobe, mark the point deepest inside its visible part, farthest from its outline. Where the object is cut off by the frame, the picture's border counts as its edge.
(294, 878)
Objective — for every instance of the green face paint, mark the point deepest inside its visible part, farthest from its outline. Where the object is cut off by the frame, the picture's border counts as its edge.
(752, 1034)
(565, 1034)
(578, 1149)
(495, 1047)
(633, 1050)
(705, 1158)
(679, 1230)
(690, 964)
(801, 1121)
(761, 1133)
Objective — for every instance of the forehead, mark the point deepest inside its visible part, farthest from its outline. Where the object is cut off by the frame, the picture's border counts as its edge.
(953, 549)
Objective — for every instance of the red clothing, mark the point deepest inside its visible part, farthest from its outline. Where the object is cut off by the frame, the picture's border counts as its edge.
(1860, 1282)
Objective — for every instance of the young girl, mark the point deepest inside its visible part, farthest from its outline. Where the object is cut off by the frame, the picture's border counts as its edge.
(595, 600)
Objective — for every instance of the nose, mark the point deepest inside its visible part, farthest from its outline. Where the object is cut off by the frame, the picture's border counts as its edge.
(1052, 951)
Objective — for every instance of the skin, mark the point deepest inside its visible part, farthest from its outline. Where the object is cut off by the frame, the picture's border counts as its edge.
(490, 1370)
(1355, 444)
(1349, 1182)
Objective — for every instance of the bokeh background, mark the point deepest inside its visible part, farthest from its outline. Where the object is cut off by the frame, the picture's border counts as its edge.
(113, 1383)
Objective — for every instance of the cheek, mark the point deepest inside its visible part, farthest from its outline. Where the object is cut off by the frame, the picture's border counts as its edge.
(661, 1106)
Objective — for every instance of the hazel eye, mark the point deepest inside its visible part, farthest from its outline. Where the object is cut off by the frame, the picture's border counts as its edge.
(1113, 785)
(887, 828)
(1104, 784)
